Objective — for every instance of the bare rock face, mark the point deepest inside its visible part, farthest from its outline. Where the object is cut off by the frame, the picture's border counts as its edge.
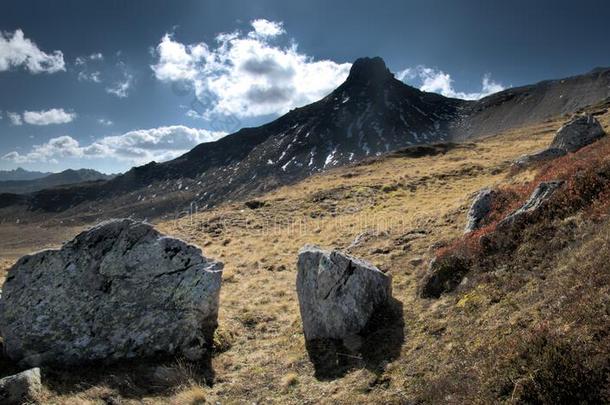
(20, 388)
(577, 133)
(480, 208)
(535, 202)
(119, 290)
(337, 293)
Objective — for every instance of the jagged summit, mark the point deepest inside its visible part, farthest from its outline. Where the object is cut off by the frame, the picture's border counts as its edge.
(369, 69)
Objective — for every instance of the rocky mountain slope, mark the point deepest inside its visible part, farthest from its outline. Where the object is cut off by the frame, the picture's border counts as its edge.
(372, 113)
(52, 180)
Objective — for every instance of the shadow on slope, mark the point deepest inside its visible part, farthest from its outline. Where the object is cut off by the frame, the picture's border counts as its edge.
(378, 344)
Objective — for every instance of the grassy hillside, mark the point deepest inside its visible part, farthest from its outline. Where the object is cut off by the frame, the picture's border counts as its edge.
(517, 330)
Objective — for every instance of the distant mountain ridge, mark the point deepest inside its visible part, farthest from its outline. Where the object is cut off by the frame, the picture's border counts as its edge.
(369, 114)
(21, 174)
(67, 177)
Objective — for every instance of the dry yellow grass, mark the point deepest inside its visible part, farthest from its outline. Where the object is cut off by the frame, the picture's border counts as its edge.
(407, 205)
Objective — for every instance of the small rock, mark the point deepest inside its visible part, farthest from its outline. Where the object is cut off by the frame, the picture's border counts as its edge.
(20, 388)
(255, 204)
(416, 261)
(337, 293)
(444, 275)
(480, 208)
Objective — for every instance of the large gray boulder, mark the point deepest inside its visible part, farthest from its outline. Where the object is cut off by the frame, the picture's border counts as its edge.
(480, 208)
(20, 388)
(580, 131)
(337, 293)
(534, 203)
(119, 290)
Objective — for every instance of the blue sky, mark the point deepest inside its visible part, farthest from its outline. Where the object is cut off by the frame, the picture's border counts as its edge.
(108, 85)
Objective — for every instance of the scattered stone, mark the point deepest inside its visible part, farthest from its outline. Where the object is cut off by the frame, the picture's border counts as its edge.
(416, 261)
(580, 131)
(381, 251)
(20, 388)
(255, 204)
(119, 290)
(444, 275)
(337, 293)
(480, 208)
(364, 237)
(535, 202)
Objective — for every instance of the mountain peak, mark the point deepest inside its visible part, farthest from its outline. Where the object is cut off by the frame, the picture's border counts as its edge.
(369, 69)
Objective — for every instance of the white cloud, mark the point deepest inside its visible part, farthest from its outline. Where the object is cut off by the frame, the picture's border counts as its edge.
(266, 29)
(85, 74)
(94, 77)
(48, 117)
(56, 148)
(17, 51)
(15, 118)
(136, 147)
(437, 81)
(105, 122)
(248, 74)
(121, 87)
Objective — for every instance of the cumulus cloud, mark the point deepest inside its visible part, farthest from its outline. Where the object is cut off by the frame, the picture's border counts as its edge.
(136, 147)
(15, 118)
(48, 117)
(247, 74)
(437, 81)
(18, 51)
(56, 148)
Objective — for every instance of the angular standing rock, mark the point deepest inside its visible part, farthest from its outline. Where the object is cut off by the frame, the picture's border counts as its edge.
(20, 388)
(337, 293)
(119, 290)
(580, 131)
(480, 208)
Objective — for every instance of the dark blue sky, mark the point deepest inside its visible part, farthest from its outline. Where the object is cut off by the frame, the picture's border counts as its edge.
(447, 46)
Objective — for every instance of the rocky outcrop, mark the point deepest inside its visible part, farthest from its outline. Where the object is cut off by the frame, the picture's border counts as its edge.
(444, 275)
(480, 208)
(580, 131)
(119, 290)
(546, 154)
(535, 202)
(337, 293)
(20, 388)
